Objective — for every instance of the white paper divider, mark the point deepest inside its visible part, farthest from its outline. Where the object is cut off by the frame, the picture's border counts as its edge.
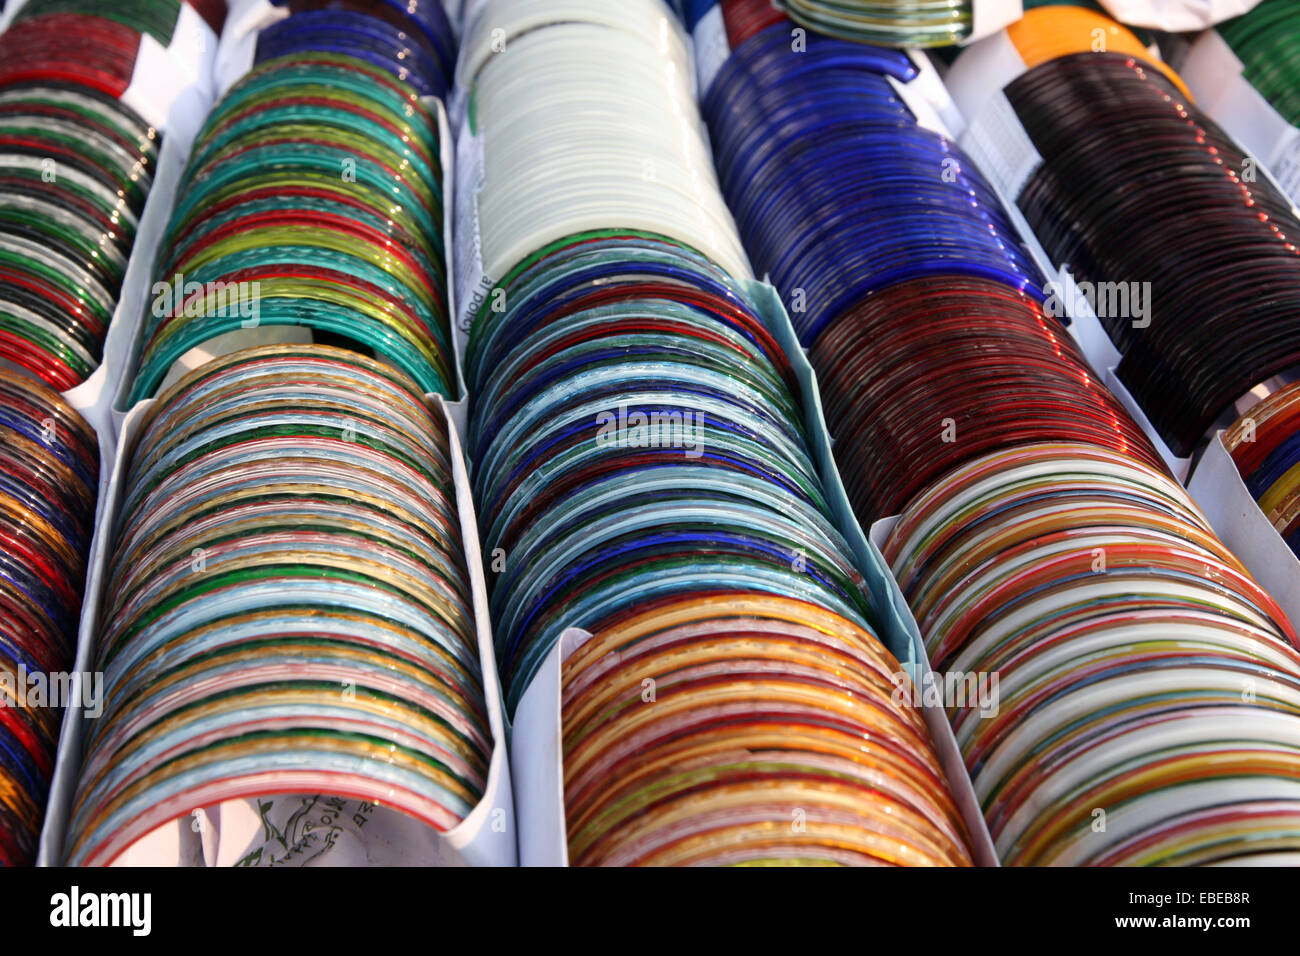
(710, 48)
(480, 838)
(238, 44)
(998, 142)
(469, 11)
(1176, 16)
(173, 86)
(456, 14)
(458, 107)
(471, 286)
(158, 98)
(536, 742)
(461, 93)
(448, 159)
(537, 760)
(462, 15)
(122, 346)
(990, 16)
(929, 86)
(1028, 237)
(982, 71)
(1217, 487)
(194, 35)
(926, 114)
